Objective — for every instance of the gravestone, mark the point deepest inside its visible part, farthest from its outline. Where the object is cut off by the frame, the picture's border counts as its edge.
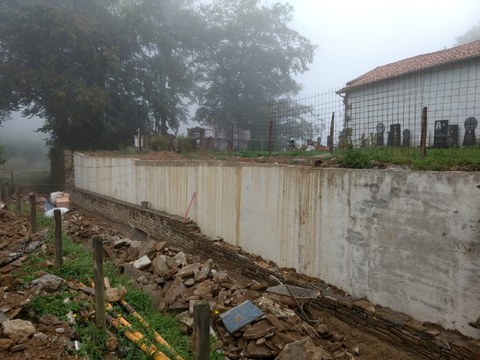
(406, 138)
(380, 131)
(470, 126)
(394, 138)
(452, 136)
(440, 135)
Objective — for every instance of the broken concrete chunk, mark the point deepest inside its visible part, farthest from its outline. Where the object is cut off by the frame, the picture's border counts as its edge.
(160, 265)
(174, 291)
(322, 330)
(142, 263)
(115, 294)
(219, 276)
(259, 330)
(147, 248)
(18, 329)
(181, 259)
(275, 322)
(258, 351)
(205, 271)
(303, 349)
(48, 282)
(310, 330)
(189, 282)
(188, 270)
(204, 290)
(124, 242)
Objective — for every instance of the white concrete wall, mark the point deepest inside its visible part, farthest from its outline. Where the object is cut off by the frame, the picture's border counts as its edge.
(450, 93)
(403, 239)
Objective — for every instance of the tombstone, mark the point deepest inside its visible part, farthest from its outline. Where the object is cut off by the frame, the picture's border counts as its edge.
(380, 131)
(394, 138)
(329, 142)
(470, 126)
(406, 138)
(440, 135)
(452, 136)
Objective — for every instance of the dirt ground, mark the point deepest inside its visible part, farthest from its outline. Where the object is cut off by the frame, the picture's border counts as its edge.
(54, 343)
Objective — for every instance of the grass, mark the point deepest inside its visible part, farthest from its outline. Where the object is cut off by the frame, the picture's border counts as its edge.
(467, 159)
(78, 265)
(435, 159)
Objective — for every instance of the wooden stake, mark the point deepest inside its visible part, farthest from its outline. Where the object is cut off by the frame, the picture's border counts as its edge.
(18, 204)
(332, 128)
(57, 215)
(33, 213)
(270, 137)
(98, 280)
(201, 330)
(423, 135)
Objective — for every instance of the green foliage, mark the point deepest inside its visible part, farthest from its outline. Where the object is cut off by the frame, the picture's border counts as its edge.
(159, 143)
(354, 159)
(467, 159)
(94, 70)
(248, 56)
(93, 341)
(184, 144)
(78, 265)
(2, 161)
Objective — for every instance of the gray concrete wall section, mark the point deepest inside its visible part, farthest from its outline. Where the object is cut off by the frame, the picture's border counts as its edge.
(407, 240)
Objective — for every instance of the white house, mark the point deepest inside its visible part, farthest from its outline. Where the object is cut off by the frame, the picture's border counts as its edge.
(384, 106)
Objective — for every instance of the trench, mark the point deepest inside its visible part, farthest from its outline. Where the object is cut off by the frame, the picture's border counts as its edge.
(426, 340)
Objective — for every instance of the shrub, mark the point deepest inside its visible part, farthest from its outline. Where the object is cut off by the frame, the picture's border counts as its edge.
(354, 159)
(159, 143)
(185, 144)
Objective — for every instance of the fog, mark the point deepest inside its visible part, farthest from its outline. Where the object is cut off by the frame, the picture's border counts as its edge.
(23, 147)
(355, 36)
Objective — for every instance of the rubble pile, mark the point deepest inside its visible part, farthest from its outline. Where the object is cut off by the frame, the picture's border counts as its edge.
(20, 339)
(176, 281)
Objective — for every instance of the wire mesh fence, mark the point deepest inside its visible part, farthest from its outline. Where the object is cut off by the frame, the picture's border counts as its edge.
(383, 115)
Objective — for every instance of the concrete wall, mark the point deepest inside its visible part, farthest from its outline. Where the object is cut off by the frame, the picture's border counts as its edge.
(450, 93)
(407, 240)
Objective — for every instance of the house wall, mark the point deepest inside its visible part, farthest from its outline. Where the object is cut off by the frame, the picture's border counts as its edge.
(403, 239)
(450, 93)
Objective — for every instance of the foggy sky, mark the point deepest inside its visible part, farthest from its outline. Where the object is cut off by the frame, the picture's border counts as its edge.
(355, 36)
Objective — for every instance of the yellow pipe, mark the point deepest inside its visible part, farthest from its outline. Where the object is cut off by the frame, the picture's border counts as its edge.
(137, 338)
(158, 338)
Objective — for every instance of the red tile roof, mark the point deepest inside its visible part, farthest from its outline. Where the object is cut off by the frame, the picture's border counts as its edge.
(416, 63)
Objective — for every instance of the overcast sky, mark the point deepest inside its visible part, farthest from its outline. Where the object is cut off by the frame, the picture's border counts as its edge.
(355, 36)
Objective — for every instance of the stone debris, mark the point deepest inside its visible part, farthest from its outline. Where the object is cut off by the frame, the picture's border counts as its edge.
(48, 282)
(303, 349)
(176, 281)
(18, 329)
(142, 263)
(115, 294)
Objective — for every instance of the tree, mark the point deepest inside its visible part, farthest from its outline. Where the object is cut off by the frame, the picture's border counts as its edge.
(471, 35)
(248, 56)
(2, 161)
(94, 70)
